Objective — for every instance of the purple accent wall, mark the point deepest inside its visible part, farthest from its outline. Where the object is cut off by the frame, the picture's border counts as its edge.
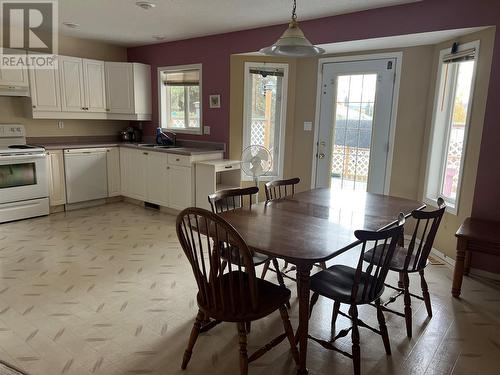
(429, 15)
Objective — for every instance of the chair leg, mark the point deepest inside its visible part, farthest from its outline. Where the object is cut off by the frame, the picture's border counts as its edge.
(248, 326)
(356, 351)
(280, 277)
(192, 339)
(266, 267)
(407, 300)
(223, 266)
(314, 299)
(401, 281)
(425, 293)
(468, 255)
(243, 348)
(383, 328)
(289, 333)
(335, 313)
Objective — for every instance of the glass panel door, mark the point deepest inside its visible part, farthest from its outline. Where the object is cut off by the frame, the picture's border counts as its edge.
(354, 109)
(355, 125)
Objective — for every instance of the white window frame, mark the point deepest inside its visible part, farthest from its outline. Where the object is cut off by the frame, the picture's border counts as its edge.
(247, 97)
(163, 95)
(437, 152)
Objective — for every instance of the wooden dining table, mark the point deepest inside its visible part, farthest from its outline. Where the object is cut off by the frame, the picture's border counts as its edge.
(312, 227)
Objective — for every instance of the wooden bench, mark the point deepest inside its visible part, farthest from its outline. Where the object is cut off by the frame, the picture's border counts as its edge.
(474, 236)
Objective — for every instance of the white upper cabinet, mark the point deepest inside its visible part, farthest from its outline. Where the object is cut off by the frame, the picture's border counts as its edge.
(14, 82)
(45, 94)
(128, 88)
(72, 84)
(83, 86)
(120, 87)
(95, 85)
(90, 89)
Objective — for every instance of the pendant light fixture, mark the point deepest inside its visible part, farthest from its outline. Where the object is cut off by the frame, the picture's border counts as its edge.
(293, 43)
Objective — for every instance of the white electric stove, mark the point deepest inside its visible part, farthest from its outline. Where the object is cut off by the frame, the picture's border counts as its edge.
(24, 185)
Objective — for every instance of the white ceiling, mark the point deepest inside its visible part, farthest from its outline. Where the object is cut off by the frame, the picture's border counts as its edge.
(122, 22)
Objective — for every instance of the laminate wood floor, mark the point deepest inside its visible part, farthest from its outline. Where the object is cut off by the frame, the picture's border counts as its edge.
(107, 290)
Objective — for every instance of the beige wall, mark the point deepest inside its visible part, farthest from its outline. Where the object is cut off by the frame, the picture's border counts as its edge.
(414, 117)
(12, 109)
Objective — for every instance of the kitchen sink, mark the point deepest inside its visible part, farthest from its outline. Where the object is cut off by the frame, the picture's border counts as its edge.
(167, 146)
(152, 145)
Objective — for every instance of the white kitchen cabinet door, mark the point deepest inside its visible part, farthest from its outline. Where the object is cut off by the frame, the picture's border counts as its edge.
(180, 187)
(57, 184)
(125, 156)
(72, 86)
(94, 85)
(14, 77)
(133, 167)
(113, 170)
(119, 87)
(45, 94)
(157, 178)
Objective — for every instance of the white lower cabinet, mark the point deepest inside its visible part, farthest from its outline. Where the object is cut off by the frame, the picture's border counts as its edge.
(180, 182)
(133, 173)
(57, 181)
(113, 171)
(161, 178)
(158, 179)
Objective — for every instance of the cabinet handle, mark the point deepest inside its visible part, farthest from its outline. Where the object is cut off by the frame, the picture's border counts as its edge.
(168, 167)
(177, 159)
(34, 106)
(228, 166)
(107, 109)
(145, 153)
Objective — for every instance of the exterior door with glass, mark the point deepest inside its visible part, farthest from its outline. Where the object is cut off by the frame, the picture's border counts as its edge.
(355, 125)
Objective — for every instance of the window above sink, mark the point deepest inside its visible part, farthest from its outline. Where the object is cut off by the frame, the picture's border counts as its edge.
(180, 101)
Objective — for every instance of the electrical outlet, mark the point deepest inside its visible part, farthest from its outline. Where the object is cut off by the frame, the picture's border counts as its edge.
(308, 125)
(206, 130)
(60, 124)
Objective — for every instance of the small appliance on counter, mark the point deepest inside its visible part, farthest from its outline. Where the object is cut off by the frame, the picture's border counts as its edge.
(24, 184)
(132, 135)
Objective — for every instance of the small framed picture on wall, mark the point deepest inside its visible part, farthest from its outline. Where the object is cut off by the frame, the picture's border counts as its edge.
(215, 101)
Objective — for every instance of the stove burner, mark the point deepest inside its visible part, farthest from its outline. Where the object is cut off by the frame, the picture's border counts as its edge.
(22, 147)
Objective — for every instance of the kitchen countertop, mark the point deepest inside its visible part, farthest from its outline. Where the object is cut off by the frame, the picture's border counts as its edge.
(179, 150)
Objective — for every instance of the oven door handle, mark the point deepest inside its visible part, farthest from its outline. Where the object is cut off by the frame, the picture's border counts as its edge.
(22, 157)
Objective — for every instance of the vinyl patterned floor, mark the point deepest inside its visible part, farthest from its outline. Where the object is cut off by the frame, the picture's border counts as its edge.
(107, 290)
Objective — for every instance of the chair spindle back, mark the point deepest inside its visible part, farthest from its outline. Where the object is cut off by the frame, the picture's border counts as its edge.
(426, 227)
(230, 199)
(280, 188)
(202, 235)
(368, 283)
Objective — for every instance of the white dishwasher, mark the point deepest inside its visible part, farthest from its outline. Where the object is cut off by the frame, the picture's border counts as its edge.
(86, 174)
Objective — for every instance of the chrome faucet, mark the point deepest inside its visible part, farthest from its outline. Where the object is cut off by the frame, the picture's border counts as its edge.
(160, 133)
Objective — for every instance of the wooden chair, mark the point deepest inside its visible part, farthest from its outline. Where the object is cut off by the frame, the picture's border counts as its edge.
(234, 296)
(358, 286)
(278, 189)
(413, 259)
(230, 199)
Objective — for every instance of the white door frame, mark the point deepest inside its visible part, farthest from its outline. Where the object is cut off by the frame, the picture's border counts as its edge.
(377, 56)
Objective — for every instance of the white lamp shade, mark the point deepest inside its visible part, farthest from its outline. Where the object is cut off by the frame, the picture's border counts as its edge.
(293, 43)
